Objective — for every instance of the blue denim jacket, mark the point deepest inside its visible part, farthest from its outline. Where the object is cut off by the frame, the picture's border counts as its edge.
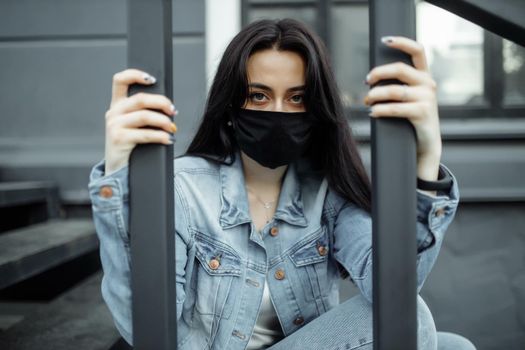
(315, 238)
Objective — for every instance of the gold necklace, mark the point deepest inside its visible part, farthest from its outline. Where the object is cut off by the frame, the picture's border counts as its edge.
(266, 205)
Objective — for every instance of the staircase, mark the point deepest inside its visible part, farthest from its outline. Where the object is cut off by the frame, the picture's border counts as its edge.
(49, 274)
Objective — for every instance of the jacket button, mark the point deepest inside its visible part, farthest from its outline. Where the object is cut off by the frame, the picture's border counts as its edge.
(440, 212)
(274, 231)
(214, 264)
(238, 334)
(322, 250)
(106, 191)
(298, 321)
(279, 274)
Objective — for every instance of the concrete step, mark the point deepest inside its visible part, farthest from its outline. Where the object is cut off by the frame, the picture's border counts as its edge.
(27, 202)
(77, 319)
(14, 312)
(25, 192)
(31, 250)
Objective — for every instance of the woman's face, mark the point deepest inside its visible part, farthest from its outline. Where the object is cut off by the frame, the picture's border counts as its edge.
(275, 81)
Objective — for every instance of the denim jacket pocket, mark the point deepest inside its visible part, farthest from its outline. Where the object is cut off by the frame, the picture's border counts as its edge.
(310, 257)
(217, 264)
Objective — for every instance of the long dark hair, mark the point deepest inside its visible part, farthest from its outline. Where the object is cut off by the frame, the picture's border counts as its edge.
(333, 149)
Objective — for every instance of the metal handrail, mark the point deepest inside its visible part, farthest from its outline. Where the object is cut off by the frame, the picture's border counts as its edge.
(152, 225)
(393, 195)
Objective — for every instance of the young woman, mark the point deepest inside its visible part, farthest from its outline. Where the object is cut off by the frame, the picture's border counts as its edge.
(272, 199)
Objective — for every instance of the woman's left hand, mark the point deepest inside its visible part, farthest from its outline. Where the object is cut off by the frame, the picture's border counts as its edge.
(415, 101)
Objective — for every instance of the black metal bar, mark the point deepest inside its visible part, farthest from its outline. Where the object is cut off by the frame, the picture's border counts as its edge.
(323, 21)
(151, 188)
(493, 73)
(245, 8)
(393, 195)
(505, 18)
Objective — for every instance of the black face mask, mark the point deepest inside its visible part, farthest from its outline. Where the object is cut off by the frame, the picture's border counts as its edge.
(272, 139)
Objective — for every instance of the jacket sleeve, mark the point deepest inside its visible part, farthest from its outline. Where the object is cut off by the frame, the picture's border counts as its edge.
(353, 235)
(110, 206)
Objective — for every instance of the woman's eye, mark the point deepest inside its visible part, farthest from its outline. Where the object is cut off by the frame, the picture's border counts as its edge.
(297, 99)
(257, 96)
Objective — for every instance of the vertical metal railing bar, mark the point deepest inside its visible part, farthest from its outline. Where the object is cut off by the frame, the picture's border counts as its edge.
(151, 199)
(245, 8)
(493, 73)
(323, 20)
(393, 195)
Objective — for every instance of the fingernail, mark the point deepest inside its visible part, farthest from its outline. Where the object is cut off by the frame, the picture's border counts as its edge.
(176, 112)
(367, 79)
(172, 139)
(387, 40)
(150, 79)
(172, 108)
(173, 127)
(365, 100)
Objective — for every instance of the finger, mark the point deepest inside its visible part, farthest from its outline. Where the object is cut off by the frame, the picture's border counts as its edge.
(147, 118)
(122, 81)
(139, 136)
(396, 92)
(410, 110)
(400, 71)
(144, 100)
(411, 47)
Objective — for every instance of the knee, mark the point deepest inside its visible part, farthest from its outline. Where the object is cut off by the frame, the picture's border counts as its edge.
(429, 339)
(426, 328)
(451, 341)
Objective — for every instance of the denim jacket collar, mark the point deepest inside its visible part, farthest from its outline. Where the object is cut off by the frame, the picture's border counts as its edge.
(235, 208)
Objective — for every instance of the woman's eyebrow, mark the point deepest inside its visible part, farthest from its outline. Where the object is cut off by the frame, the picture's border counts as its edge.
(297, 88)
(260, 86)
(267, 88)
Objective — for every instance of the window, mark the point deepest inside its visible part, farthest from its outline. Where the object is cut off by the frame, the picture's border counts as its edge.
(350, 52)
(454, 49)
(304, 11)
(514, 69)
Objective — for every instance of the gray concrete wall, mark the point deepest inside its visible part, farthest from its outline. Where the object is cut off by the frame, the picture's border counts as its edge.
(57, 58)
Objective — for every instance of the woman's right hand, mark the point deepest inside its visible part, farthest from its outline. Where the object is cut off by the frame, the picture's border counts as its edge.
(127, 117)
